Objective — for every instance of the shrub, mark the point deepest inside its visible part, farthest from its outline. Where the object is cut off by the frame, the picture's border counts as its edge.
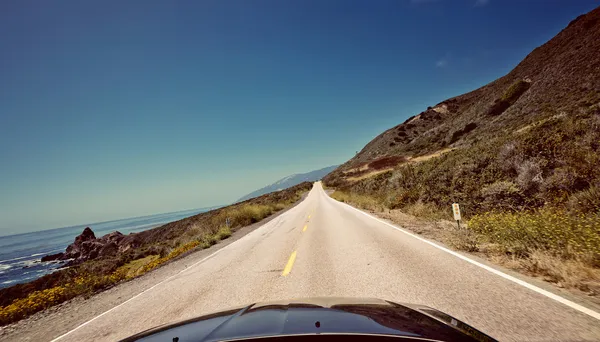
(515, 91)
(502, 195)
(249, 214)
(510, 96)
(427, 211)
(509, 157)
(558, 186)
(82, 284)
(498, 108)
(529, 175)
(362, 201)
(403, 197)
(551, 230)
(280, 206)
(174, 253)
(459, 133)
(36, 301)
(586, 201)
(223, 233)
(245, 214)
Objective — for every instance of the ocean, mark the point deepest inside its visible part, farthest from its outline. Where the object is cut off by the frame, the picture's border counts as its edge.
(20, 254)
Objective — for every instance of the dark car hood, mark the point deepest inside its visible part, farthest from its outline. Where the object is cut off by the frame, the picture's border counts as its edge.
(328, 315)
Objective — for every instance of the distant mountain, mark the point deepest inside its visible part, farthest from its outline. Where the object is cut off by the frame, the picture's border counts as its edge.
(289, 181)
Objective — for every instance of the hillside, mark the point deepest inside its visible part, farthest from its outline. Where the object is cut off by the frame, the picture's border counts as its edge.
(289, 181)
(559, 78)
(520, 155)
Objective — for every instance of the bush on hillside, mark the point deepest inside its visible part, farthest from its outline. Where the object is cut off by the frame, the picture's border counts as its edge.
(561, 183)
(515, 91)
(587, 200)
(548, 163)
(502, 195)
(529, 176)
(510, 157)
(510, 96)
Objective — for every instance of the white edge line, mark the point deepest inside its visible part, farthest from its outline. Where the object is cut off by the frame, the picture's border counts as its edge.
(165, 280)
(137, 295)
(541, 291)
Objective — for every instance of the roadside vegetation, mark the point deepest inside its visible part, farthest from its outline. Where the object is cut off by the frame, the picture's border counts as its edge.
(530, 198)
(521, 156)
(157, 247)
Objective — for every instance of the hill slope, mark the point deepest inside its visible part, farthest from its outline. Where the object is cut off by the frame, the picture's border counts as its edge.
(560, 76)
(289, 181)
(520, 155)
(557, 82)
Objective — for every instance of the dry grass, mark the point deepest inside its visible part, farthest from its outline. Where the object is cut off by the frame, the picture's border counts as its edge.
(373, 168)
(361, 201)
(223, 233)
(360, 168)
(430, 156)
(570, 273)
(540, 122)
(367, 175)
(569, 237)
(246, 214)
(427, 211)
(135, 267)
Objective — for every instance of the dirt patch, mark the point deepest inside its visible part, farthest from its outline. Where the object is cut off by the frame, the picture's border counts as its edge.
(430, 156)
(367, 175)
(386, 162)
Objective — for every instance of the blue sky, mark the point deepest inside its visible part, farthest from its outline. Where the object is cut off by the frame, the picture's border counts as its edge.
(113, 109)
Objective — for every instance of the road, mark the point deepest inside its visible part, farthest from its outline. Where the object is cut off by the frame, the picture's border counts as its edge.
(325, 248)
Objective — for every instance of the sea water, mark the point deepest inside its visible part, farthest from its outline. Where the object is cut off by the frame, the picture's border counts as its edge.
(20, 254)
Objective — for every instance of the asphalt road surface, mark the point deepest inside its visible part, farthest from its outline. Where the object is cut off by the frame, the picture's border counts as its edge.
(325, 248)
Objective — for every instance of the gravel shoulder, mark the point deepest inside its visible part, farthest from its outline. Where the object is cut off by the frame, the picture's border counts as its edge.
(444, 234)
(64, 317)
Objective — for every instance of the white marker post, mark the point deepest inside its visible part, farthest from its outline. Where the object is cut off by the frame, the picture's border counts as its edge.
(456, 211)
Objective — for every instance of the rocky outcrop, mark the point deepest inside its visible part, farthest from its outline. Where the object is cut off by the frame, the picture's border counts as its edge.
(87, 247)
(52, 257)
(82, 247)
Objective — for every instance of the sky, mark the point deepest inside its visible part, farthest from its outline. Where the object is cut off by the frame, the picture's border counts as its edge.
(114, 109)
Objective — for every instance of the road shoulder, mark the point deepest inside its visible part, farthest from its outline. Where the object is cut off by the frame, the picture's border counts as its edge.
(438, 233)
(60, 319)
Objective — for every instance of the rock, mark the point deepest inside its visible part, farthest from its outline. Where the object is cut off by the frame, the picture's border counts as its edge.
(131, 241)
(110, 249)
(52, 257)
(87, 247)
(115, 237)
(74, 250)
(87, 235)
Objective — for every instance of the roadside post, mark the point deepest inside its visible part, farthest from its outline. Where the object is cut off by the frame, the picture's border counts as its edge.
(227, 222)
(456, 212)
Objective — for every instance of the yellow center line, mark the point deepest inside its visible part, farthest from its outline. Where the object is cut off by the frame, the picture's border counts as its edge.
(290, 263)
(305, 227)
(309, 216)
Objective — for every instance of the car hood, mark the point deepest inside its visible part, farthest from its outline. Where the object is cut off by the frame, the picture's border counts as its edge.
(324, 315)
